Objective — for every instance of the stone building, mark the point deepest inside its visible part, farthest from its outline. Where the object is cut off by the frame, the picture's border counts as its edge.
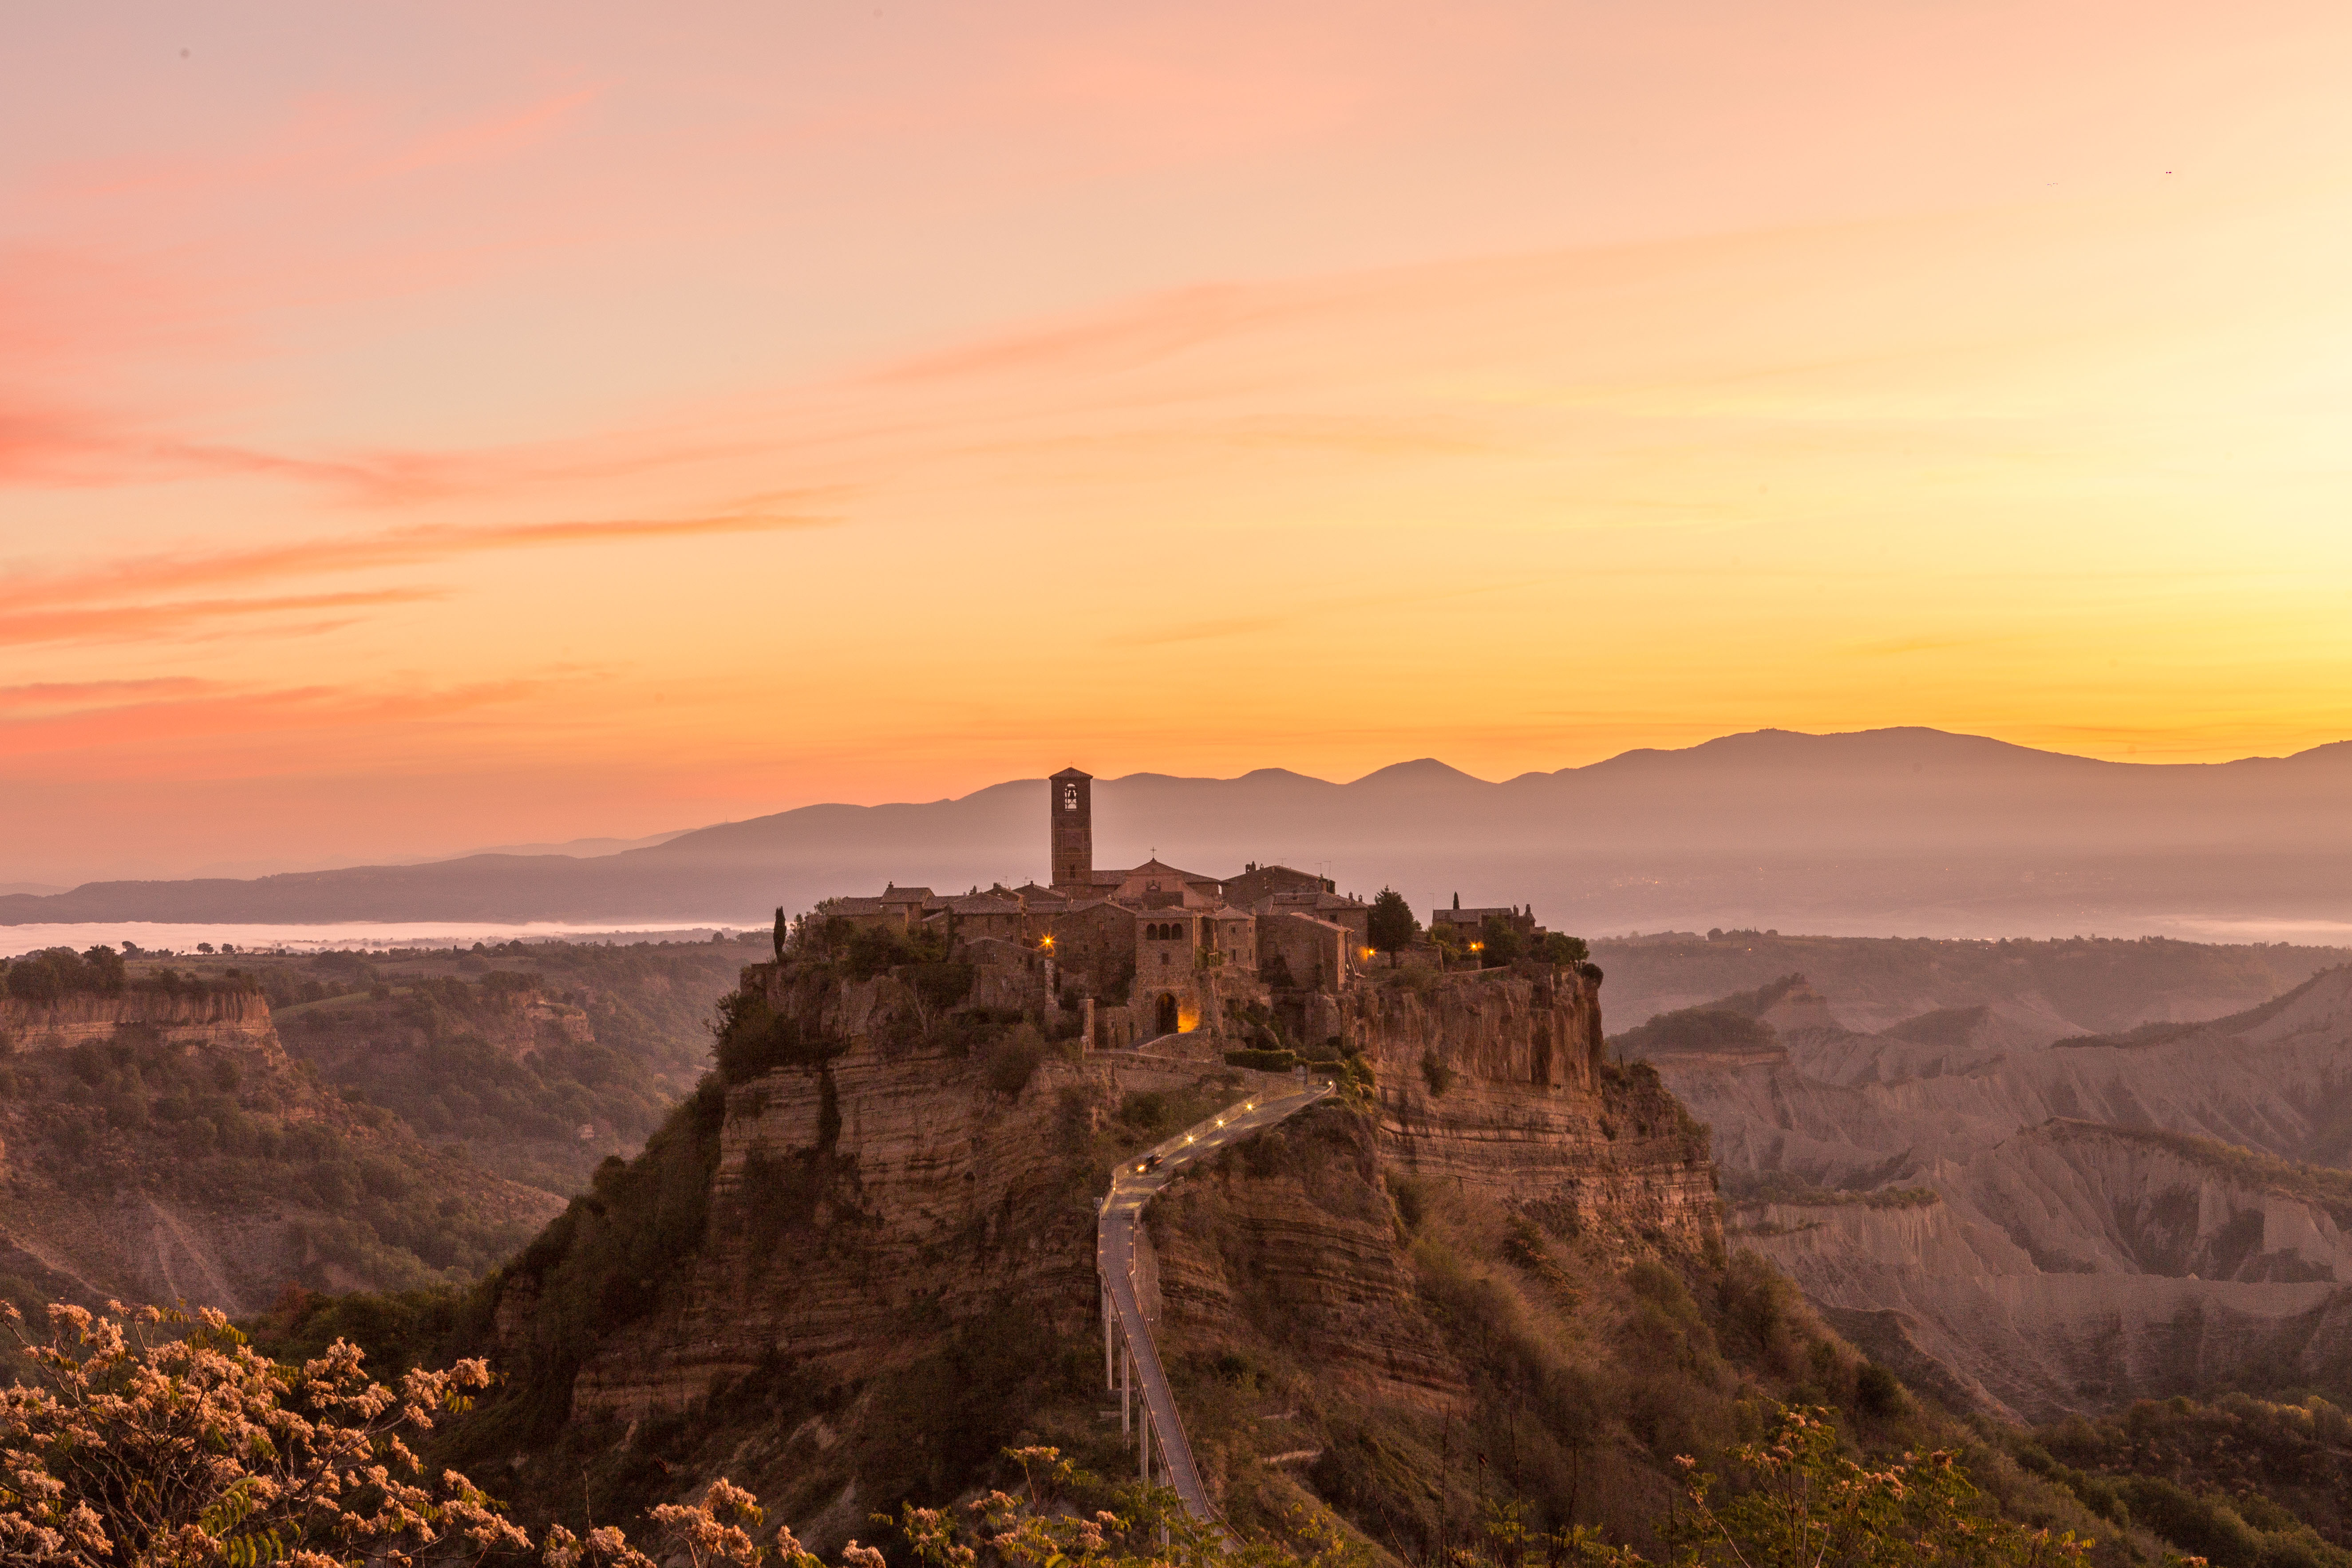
(1258, 882)
(1154, 950)
(1467, 924)
(1300, 952)
(898, 909)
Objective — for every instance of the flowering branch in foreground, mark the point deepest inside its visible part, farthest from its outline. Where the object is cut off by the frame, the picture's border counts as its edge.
(1807, 1506)
(158, 1439)
(1045, 1528)
(161, 1440)
(196, 1449)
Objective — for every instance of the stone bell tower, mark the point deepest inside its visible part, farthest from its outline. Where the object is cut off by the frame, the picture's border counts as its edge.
(1071, 802)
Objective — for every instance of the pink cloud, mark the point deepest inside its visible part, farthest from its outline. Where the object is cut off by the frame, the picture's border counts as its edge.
(70, 696)
(145, 623)
(28, 602)
(303, 727)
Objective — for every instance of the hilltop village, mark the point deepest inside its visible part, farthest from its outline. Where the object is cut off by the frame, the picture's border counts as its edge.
(1155, 949)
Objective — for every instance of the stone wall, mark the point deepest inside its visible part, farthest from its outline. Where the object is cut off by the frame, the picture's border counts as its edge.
(1313, 953)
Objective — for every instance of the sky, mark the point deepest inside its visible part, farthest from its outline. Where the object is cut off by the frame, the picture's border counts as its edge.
(436, 425)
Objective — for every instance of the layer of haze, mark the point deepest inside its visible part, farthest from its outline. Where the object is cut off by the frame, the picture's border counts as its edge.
(430, 426)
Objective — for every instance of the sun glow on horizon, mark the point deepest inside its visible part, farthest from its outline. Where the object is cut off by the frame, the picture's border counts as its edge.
(617, 432)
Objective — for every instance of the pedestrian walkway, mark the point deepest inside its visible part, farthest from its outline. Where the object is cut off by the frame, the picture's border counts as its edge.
(1130, 1359)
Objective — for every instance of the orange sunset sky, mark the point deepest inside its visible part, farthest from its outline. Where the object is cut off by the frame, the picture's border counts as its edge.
(432, 425)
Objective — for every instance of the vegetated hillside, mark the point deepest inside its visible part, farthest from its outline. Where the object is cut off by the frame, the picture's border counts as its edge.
(2072, 985)
(2239, 1481)
(2113, 1217)
(1904, 829)
(538, 1060)
(160, 1145)
(858, 1263)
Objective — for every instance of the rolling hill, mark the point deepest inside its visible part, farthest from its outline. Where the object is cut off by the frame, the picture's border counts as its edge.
(1911, 830)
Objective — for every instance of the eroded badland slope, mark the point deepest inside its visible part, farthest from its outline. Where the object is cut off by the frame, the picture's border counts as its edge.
(2044, 1224)
(2075, 985)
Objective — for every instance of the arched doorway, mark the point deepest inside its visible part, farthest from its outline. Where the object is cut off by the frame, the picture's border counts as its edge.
(1167, 1015)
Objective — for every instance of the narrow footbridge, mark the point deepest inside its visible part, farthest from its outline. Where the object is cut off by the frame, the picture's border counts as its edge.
(1130, 1360)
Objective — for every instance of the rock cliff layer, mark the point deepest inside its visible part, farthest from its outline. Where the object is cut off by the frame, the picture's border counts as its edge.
(1494, 1083)
(225, 1020)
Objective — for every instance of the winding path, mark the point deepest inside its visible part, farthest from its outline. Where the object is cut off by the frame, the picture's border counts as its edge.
(1138, 1371)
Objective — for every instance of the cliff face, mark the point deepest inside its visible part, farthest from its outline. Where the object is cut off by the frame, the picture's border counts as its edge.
(1494, 1083)
(902, 1180)
(227, 1020)
(857, 1195)
(531, 1021)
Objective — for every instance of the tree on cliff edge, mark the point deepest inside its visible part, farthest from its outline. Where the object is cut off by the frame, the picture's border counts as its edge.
(1391, 927)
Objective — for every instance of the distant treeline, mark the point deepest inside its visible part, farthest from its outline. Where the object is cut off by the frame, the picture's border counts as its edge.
(55, 973)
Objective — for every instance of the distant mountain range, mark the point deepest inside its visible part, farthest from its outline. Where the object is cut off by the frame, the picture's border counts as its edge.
(1908, 831)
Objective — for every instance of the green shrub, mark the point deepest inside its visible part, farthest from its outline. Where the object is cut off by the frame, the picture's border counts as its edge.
(2207, 1527)
(1563, 949)
(1765, 1321)
(1391, 927)
(1878, 1392)
(1012, 1058)
(878, 950)
(941, 986)
(606, 1260)
(1499, 942)
(1435, 1074)
(1412, 1205)
(1263, 1061)
(933, 1428)
(1695, 1029)
(752, 1040)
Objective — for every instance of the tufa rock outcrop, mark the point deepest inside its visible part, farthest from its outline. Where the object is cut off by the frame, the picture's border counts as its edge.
(220, 1019)
(902, 1163)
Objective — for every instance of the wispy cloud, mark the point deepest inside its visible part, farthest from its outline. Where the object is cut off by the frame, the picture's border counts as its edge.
(139, 623)
(69, 696)
(55, 443)
(1127, 337)
(179, 727)
(28, 594)
(326, 141)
